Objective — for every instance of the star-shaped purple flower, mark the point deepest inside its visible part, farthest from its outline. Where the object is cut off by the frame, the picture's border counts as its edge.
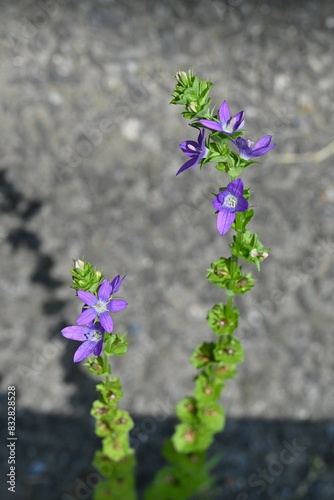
(228, 124)
(228, 202)
(92, 337)
(100, 306)
(195, 150)
(247, 150)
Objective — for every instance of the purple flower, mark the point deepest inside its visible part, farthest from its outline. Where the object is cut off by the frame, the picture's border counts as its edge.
(228, 202)
(195, 150)
(100, 306)
(116, 284)
(227, 124)
(92, 337)
(248, 150)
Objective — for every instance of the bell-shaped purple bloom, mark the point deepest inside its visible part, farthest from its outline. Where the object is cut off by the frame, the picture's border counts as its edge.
(92, 337)
(227, 124)
(195, 150)
(228, 202)
(100, 306)
(116, 284)
(249, 150)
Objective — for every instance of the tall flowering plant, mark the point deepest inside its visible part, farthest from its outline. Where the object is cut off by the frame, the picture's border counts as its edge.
(220, 142)
(94, 328)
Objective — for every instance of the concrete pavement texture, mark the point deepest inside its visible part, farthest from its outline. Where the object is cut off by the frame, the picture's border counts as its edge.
(89, 148)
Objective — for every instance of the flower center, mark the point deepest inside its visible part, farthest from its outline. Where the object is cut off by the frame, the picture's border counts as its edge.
(229, 127)
(95, 336)
(230, 201)
(100, 307)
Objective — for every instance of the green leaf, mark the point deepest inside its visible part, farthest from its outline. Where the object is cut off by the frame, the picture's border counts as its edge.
(248, 246)
(112, 421)
(116, 447)
(171, 483)
(187, 477)
(115, 345)
(102, 411)
(223, 271)
(238, 166)
(190, 438)
(111, 390)
(102, 428)
(186, 410)
(242, 219)
(243, 284)
(122, 422)
(192, 92)
(223, 319)
(85, 276)
(226, 273)
(229, 350)
(203, 355)
(182, 460)
(207, 388)
(221, 371)
(120, 483)
(98, 365)
(115, 490)
(212, 416)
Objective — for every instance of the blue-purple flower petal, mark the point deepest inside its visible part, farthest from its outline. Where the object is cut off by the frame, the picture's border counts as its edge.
(87, 316)
(98, 348)
(227, 203)
(224, 113)
(76, 332)
(116, 284)
(237, 122)
(242, 204)
(195, 150)
(104, 291)
(264, 142)
(84, 350)
(225, 220)
(248, 151)
(106, 322)
(218, 201)
(211, 124)
(227, 124)
(262, 151)
(236, 187)
(189, 147)
(116, 305)
(87, 297)
(188, 164)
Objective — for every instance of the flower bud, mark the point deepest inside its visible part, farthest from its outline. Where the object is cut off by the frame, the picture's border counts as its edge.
(193, 107)
(181, 77)
(78, 264)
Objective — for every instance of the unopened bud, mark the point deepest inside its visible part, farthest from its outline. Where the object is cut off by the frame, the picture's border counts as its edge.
(78, 264)
(181, 77)
(254, 253)
(193, 107)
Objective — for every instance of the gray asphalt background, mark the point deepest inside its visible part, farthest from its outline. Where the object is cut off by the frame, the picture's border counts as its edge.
(88, 152)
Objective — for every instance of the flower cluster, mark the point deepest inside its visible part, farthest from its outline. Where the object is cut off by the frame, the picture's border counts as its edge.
(224, 128)
(95, 319)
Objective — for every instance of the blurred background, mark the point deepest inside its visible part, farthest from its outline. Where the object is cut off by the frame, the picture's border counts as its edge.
(89, 148)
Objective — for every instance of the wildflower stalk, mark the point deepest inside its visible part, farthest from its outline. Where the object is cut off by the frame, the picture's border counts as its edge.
(201, 416)
(115, 460)
(94, 326)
